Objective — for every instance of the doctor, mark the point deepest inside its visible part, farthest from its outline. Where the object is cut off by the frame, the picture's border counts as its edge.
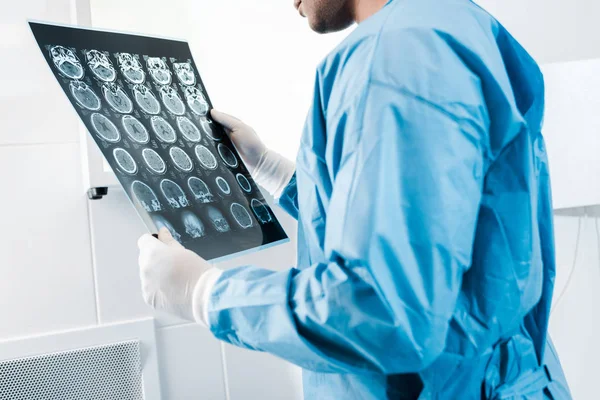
(425, 246)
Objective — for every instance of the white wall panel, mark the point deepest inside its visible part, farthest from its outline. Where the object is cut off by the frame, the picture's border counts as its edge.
(551, 30)
(190, 364)
(45, 261)
(571, 126)
(51, 10)
(28, 85)
(574, 324)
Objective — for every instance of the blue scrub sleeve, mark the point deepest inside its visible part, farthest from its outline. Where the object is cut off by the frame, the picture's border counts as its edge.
(399, 235)
(288, 200)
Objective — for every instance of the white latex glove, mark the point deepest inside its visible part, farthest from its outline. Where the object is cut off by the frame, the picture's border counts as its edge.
(268, 168)
(174, 279)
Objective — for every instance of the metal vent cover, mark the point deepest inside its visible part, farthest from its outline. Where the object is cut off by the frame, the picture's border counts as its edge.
(107, 372)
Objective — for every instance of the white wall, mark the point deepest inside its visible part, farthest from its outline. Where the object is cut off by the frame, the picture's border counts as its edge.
(551, 30)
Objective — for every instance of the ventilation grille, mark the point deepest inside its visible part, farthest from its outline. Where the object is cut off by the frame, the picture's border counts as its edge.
(110, 372)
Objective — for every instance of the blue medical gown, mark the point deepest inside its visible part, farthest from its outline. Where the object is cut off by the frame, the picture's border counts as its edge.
(426, 259)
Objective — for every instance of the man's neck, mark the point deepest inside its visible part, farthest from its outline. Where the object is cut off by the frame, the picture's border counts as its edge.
(363, 9)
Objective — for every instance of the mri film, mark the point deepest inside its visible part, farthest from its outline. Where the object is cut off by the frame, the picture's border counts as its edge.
(206, 158)
(244, 183)
(227, 156)
(117, 98)
(200, 190)
(105, 128)
(163, 130)
(161, 222)
(185, 73)
(146, 107)
(180, 159)
(154, 161)
(146, 99)
(159, 71)
(124, 160)
(135, 129)
(131, 68)
(261, 211)
(193, 226)
(195, 100)
(84, 95)
(174, 194)
(146, 196)
(241, 215)
(208, 127)
(218, 220)
(188, 129)
(66, 62)
(101, 66)
(171, 100)
(223, 185)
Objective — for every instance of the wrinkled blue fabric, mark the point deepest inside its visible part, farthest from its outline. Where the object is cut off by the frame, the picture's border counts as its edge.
(425, 244)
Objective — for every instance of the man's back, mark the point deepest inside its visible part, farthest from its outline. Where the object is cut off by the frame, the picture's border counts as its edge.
(420, 49)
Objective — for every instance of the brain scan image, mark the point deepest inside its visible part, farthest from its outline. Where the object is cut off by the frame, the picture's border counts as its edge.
(159, 71)
(200, 190)
(125, 161)
(223, 185)
(227, 156)
(244, 183)
(218, 220)
(241, 215)
(174, 194)
(105, 128)
(146, 196)
(117, 98)
(84, 95)
(135, 129)
(171, 100)
(209, 128)
(206, 158)
(131, 68)
(188, 129)
(181, 159)
(154, 161)
(261, 211)
(146, 99)
(195, 100)
(163, 129)
(161, 222)
(66, 62)
(185, 73)
(101, 66)
(193, 226)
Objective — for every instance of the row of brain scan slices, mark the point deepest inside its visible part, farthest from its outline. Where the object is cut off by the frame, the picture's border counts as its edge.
(176, 197)
(194, 227)
(67, 62)
(181, 160)
(137, 132)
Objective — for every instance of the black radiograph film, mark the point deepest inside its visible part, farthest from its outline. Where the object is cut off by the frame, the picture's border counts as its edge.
(144, 103)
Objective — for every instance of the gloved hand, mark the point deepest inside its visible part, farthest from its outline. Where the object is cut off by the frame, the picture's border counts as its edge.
(268, 168)
(173, 278)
